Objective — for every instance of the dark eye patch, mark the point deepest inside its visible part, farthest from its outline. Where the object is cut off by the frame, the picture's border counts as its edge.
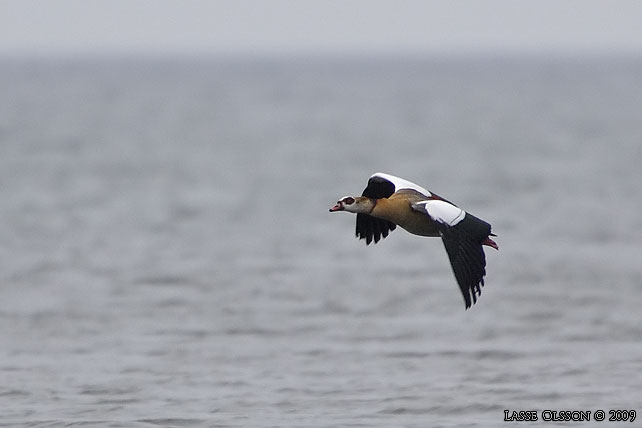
(349, 200)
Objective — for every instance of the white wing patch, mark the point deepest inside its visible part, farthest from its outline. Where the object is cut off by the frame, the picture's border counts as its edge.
(441, 211)
(400, 183)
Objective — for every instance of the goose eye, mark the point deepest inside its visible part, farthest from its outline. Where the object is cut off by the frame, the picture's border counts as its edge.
(349, 200)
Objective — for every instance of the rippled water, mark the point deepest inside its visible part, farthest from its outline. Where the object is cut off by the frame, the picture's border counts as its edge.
(167, 257)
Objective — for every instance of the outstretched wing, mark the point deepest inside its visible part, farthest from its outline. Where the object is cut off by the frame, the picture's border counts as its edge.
(368, 227)
(388, 181)
(462, 235)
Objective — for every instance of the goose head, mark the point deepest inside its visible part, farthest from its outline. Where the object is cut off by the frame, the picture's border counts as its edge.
(354, 204)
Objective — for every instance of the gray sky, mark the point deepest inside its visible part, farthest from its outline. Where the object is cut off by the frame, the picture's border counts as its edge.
(329, 26)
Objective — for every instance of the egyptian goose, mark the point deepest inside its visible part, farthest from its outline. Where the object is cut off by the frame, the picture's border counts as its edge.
(389, 201)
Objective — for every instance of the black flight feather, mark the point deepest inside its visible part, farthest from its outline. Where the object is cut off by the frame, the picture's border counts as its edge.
(463, 245)
(368, 227)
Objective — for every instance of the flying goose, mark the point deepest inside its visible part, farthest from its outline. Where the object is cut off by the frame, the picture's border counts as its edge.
(388, 201)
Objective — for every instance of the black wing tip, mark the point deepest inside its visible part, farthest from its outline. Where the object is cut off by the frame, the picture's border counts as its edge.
(475, 292)
(468, 263)
(367, 238)
(362, 236)
(467, 302)
(471, 287)
(372, 229)
(378, 187)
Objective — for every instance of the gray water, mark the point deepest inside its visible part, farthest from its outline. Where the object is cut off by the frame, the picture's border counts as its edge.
(167, 257)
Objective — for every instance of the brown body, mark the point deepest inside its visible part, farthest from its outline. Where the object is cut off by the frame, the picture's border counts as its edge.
(398, 209)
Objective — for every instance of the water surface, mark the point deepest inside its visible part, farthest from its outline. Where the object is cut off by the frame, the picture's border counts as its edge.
(167, 257)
